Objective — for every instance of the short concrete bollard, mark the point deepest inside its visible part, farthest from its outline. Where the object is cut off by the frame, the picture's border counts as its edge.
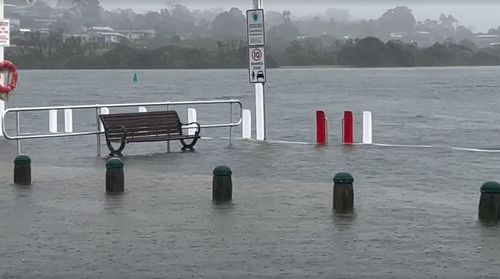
(22, 170)
(115, 179)
(343, 192)
(222, 186)
(489, 204)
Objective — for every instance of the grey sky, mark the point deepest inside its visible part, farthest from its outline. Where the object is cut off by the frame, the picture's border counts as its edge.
(479, 15)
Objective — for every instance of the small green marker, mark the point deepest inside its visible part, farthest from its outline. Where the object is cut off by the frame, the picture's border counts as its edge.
(136, 79)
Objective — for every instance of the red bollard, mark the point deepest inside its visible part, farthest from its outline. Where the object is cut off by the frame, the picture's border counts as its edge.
(321, 128)
(348, 127)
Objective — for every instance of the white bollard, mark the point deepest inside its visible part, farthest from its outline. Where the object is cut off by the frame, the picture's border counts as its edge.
(2, 110)
(259, 111)
(104, 110)
(53, 121)
(143, 109)
(367, 127)
(192, 117)
(68, 121)
(247, 124)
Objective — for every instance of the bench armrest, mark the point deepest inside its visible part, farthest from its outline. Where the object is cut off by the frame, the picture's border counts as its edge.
(198, 127)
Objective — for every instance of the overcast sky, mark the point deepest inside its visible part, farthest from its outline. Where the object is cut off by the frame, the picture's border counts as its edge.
(479, 15)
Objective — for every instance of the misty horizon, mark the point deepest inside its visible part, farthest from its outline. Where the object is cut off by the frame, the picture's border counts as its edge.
(478, 17)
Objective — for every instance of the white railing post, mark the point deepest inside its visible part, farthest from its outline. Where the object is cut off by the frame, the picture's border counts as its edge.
(53, 121)
(367, 127)
(192, 117)
(104, 110)
(247, 124)
(68, 121)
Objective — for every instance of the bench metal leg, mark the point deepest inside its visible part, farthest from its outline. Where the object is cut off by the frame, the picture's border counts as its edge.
(188, 146)
(113, 150)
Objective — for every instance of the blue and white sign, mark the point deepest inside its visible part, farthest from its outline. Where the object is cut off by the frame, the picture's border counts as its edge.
(255, 27)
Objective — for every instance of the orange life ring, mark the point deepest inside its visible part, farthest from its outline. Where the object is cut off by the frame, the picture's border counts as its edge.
(11, 68)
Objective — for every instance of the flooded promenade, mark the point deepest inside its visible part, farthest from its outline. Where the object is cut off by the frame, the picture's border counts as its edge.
(416, 194)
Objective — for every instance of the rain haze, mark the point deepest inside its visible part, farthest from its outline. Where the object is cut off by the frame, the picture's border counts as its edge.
(359, 137)
(479, 16)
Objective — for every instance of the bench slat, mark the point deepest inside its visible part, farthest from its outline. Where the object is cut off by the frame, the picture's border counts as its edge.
(144, 127)
(143, 117)
(154, 138)
(142, 133)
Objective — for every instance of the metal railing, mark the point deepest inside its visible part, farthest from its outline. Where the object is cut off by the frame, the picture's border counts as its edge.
(20, 136)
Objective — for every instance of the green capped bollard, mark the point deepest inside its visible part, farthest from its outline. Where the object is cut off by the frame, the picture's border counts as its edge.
(489, 204)
(222, 186)
(115, 180)
(343, 192)
(22, 170)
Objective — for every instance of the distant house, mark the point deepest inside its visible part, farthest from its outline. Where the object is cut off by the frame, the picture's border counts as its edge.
(138, 34)
(43, 23)
(83, 38)
(423, 38)
(100, 29)
(105, 37)
(107, 40)
(19, 3)
(487, 40)
(398, 35)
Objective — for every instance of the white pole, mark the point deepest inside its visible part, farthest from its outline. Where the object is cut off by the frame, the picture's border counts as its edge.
(104, 110)
(367, 127)
(68, 121)
(2, 103)
(260, 102)
(192, 118)
(247, 124)
(53, 121)
(259, 111)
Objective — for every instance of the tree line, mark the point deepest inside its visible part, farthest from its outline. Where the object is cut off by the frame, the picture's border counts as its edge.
(366, 52)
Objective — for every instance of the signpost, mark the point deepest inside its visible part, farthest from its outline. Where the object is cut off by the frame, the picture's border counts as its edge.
(257, 69)
(256, 63)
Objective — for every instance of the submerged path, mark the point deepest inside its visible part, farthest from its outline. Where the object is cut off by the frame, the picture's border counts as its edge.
(415, 214)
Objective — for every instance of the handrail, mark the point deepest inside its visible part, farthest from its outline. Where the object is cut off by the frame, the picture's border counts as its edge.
(19, 136)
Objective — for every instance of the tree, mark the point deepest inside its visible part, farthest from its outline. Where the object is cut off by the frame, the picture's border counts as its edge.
(287, 16)
(230, 24)
(89, 11)
(447, 21)
(285, 30)
(399, 19)
(367, 52)
(181, 13)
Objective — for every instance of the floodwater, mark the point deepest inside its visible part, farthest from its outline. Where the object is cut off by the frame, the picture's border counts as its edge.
(416, 190)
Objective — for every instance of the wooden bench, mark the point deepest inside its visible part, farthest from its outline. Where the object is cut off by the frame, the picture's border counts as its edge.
(146, 127)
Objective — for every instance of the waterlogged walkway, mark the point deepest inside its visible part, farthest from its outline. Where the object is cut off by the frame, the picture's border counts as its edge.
(415, 213)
